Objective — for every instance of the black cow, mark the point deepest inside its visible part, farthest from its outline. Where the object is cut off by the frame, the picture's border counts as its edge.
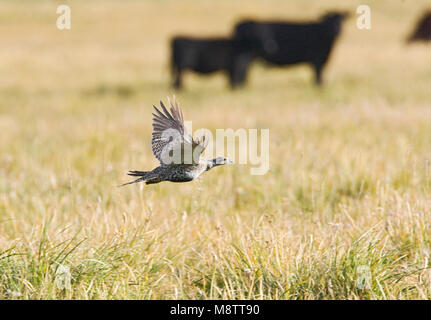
(287, 43)
(207, 55)
(423, 29)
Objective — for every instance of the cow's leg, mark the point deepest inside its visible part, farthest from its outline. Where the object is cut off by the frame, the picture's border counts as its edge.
(318, 68)
(238, 71)
(177, 78)
(232, 78)
(233, 81)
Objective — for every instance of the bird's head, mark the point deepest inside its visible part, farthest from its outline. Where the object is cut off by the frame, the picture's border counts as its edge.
(218, 162)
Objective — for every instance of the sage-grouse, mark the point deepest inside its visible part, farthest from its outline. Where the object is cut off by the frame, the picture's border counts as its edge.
(178, 153)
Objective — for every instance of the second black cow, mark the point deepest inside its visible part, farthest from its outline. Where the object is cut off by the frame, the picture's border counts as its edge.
(288, 43)
(208, 55)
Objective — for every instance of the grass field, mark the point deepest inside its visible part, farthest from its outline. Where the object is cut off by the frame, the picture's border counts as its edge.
(347, 196)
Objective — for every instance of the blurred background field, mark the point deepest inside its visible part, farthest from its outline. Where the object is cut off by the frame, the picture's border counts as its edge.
(349, 182)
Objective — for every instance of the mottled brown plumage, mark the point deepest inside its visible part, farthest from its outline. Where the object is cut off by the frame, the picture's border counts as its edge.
(178, 153)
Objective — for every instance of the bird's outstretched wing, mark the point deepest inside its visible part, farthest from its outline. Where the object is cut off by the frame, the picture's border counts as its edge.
(171, 143)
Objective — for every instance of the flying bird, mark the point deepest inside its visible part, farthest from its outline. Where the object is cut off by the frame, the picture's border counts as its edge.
(178, 152)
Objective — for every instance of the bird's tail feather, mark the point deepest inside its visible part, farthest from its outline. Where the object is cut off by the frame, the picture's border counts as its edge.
(138, 173)
(144, 175)
(132, 182)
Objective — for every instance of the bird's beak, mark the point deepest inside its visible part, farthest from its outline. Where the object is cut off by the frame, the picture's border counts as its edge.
(229, 161)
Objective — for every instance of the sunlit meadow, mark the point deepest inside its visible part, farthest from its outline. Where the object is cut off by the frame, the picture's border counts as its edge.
(343, 213)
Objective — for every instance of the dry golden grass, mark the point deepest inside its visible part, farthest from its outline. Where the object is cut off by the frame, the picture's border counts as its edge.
(349, 183)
